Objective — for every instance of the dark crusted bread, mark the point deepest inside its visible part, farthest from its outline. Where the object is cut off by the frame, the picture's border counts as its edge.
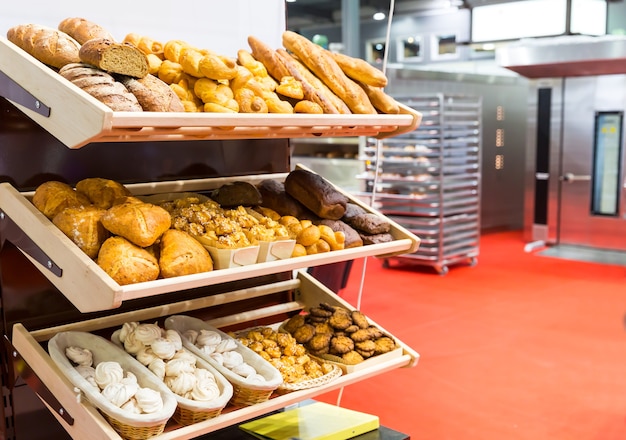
(153, 94)
(275, 197)
(317, 194)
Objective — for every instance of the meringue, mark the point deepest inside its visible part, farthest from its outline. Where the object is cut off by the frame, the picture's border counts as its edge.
(232, 359)
(132, 345)
(163, 348)
(208, 349)
(157, 366)
(181, 384)
(146, 355)
(255, 378)
(175, 367)
(191, 335)
(173, 336)
(149, 400)
(218, 358)
(208, 337)
(89, 374)
(79, 355)
(127, 328)
(147, 333)
(108, 372)
(205, 390)
(131, 406)
(117, 393)
(244, 369)
(226, 345)
(185, 355)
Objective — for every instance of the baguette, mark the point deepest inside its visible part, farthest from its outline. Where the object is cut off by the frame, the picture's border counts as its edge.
(268, 57)
(380, 100)
(83, 30)
(122, 58)
(50, 46)
(326, 68)
(360, 70)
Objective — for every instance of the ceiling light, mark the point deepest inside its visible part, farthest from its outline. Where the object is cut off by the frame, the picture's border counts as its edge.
(291, 1)
(379, 16)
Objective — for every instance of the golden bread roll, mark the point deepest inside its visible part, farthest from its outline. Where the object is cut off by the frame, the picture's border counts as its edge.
(290, 87)
(83, 30)
(102, 192)
(323, 65)
(145, 44)
(140, 223)
(127, 263)
(122, 58)
(53, 197)
(360, 70)
(181, 254)
(82, 225)
(306, 106)
(50, 46)
(352, 237)
(316, 193)
(153, 94)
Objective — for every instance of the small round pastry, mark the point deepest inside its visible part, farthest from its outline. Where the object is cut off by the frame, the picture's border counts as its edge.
(132, 345)
(131, 406)
(147, 333)
(181, 384)
(80, 356)
(208, 337)
(52, 197)
(157, 366)
(117, 393)
(149, 400)
(304, 334)
(319, 341)
(173, 336)
(186, 356)
(175, 367)
(244, 370)
(232, 359)
(163, 348)
(359, 319)
(127, 263)
(341, 344)
(205, 391)
(102, 192)
(82, 225)
(108, 372)
(127, 328)
(226, 345)
(146, 355)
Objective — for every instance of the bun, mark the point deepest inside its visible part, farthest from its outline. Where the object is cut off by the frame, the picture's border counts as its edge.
(83, 30)
(181, 254)
(153, 94)
(50, 46)
(82, 225)
(102, 192)
(127, 263)
(101, 86)
(53, 197)
(138, 222)
(352, 237)
(122, 58)
(317, 194)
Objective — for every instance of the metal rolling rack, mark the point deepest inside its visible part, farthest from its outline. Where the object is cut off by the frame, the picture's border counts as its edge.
(428, 179)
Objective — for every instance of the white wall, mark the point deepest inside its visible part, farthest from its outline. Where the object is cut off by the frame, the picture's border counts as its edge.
(222, 26)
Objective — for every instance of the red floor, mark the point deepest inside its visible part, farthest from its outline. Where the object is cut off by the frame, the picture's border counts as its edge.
(518, 347)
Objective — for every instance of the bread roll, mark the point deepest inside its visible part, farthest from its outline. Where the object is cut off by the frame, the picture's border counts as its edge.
(83, 30)
(53, 197)
(82, 225)
(127, 263)
(370, 223)
(326, 68)
(101, 86)
(112, 57)
(317, 194)
(153, 94)
(181, 254)
(50, 46)
(140, 223)
(102, 192)
(352, 237)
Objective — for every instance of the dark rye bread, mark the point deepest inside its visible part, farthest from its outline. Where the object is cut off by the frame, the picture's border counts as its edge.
(317, 194)
(274, 196)
(353, 238)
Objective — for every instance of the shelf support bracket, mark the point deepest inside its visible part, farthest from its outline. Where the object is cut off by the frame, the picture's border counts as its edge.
(12, 91)
(9, 230)
(18, 367)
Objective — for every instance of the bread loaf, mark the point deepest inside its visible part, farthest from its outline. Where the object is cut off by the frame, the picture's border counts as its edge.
(268, 57)
(237, 193)
(140, 223)
(317, 194)
(50, 46)
(360, 70)
(127, 263)
(326, 68)
(112, 57)
(83, 30)
(181, 254)
(352, 237)
(153, 94)
(380, 100)
(82, 225)
(52, 197)
(101, 86)
(275, 197)
(102, 192)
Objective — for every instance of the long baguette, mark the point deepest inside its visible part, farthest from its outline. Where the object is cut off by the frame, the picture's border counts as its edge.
(380, 100)
(360, 70)
(268, 57)
(327, 69)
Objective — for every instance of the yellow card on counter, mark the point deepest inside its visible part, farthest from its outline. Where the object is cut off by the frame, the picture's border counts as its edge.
(316, 421)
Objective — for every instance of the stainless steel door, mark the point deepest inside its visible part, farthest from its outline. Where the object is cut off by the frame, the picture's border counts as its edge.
(592, 173)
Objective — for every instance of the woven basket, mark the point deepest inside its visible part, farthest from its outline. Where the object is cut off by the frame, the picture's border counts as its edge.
(244, 393)
(191, 411)
(311, 383)
(129, 426)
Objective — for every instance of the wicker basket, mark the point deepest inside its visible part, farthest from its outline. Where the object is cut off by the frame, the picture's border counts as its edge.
(311, 383)
(244, 393)
(129, 426)
(191, 411)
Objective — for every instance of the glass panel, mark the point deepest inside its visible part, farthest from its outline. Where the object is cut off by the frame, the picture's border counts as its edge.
(607, 156)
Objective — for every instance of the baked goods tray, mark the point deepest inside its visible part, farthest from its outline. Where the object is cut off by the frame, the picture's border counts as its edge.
(77, 119)
(90, 289)
(89, 423)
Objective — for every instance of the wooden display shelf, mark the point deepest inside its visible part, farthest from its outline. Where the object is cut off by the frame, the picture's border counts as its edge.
(77, 119)
(89, 423)
(90, 289)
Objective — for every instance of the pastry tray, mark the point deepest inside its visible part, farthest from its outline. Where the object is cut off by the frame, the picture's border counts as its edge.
(89, 423)
(77, 119)
(74, 273)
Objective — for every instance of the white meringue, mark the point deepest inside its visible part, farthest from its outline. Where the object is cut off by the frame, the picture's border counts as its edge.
(205, 390)
(173, 336)
(226, 345)
(255, 378)
(207, 349)
(232, 359)
(204, 374)
(89, 374)
(244, 370)
(132, 345)
(147, 333)
(127, 328)
(218, 358)
(186, 355)
(175, 367)
(157, 366)
(149, 400)
(191, 335)
(163, 348)
(181, 384)
(79, 355)
(208, 337)
(108, 372)
(117, 393)
(146, 355)
(131, 406)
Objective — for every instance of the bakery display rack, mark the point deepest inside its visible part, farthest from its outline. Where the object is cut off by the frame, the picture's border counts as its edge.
(429, 180)
(77, 119)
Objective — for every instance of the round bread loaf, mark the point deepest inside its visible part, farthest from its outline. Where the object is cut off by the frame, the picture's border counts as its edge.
(53, 197)
(153, 94)
(50, 46)
(127, 263)
(181, 254)
(82, 225)
(102, 192)
(140, 223)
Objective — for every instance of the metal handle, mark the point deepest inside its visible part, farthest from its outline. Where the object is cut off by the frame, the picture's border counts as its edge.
(571, 177)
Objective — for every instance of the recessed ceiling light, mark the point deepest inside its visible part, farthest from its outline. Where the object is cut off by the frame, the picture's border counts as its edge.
(379, 16)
